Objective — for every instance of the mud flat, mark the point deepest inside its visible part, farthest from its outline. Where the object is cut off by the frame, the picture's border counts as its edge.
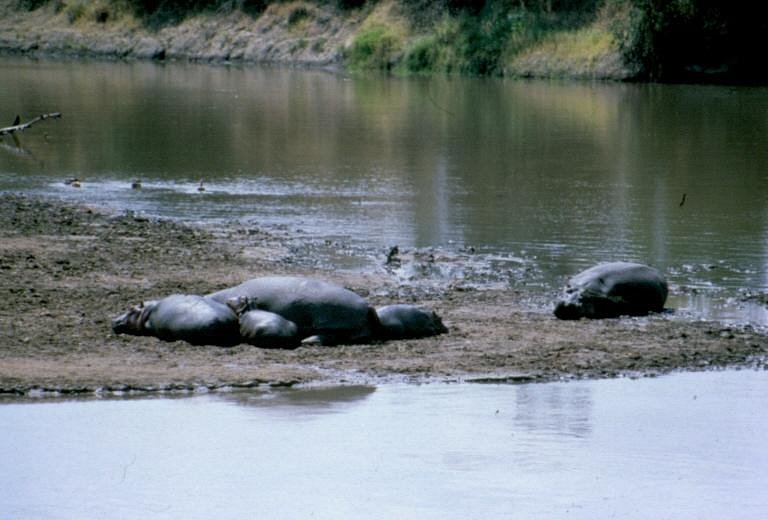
(66, 271)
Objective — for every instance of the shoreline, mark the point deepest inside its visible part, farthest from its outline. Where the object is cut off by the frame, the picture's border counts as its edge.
(68, 270)
(294, 34)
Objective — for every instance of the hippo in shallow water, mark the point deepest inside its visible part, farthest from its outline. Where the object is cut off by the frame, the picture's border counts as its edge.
(195, 319)
(611, 290)
(403, 321)
(331, 313)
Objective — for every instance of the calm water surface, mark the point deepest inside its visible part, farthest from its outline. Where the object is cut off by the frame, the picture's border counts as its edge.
(688, 446)
(540, 178)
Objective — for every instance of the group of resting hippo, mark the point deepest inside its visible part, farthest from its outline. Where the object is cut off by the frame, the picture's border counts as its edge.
(288, 311)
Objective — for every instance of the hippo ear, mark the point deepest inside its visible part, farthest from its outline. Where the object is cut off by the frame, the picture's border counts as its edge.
(240, 304)
(145, 309)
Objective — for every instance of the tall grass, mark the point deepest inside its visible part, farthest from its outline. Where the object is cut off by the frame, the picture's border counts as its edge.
(481, 43)
(375, 47)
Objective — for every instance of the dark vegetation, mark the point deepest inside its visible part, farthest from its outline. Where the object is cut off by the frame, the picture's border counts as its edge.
(663, 40)
(699, 40)
(158, 13)
(164, 12)
(467, 36)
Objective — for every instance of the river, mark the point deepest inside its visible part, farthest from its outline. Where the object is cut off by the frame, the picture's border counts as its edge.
(538, 179)
(685, 446)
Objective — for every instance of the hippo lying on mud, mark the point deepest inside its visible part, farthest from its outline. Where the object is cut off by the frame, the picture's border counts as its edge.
(275, 312)
(402, 321)
(611, 290)
(332, 313)
(261, 328)
(194, 319)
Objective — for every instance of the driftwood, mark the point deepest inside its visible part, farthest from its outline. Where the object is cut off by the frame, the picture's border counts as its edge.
(18, 127)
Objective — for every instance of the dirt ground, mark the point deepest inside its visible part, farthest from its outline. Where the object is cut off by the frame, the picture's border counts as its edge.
(66, 271)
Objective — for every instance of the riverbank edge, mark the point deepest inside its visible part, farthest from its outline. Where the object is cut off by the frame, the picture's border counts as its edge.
(292, 34)
(68, 270)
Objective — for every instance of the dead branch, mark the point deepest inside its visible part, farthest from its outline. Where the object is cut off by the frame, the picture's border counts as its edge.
(18, 127)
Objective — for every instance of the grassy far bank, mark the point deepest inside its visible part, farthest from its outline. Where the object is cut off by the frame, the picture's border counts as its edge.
(495, 39)
(660, 40)
(664, 40)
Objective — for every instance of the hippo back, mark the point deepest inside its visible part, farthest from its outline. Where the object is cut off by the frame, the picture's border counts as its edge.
(633, 284)
(316, 307)
(195, 319)
(614, 289)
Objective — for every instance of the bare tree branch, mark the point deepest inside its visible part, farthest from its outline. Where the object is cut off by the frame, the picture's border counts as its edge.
(18, 127)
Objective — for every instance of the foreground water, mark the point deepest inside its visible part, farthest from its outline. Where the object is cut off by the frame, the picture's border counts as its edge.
(687, 446)
(537, 179)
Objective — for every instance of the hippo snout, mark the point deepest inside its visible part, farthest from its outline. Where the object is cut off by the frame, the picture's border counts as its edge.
(570, 306)
(129, 322)
(120, 324)
(568, 310)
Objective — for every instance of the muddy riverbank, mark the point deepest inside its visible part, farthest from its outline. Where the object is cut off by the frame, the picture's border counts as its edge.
(68, 270)
(314, 37)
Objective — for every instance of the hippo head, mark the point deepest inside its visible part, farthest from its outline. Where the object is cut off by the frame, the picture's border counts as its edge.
(577, 303)
(134, 321)
(570, 306)
(436, 324)
(242, 304)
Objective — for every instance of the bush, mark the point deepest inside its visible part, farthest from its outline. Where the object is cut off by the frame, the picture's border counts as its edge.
(297, 15)
(422, 55)
(75, 10)
(30, 5)
(482, 42)
(374, 48)
(349, 4)
(158, 13)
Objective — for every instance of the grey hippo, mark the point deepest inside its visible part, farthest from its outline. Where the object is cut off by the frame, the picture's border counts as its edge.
(613, 289)
(262, 328)
(195, 319)
(330, 313)
(403, 321)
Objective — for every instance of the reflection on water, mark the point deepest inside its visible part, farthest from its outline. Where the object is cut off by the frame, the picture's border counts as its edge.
(563, 410)
(332, 399)
(562, 175)
(688, 446)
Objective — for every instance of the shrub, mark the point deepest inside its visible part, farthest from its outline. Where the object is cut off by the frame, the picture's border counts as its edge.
(158, 13)
(75, 10)
(422, 55)
(298, 14)
(373, 48)
(30, 5)
(349, 4)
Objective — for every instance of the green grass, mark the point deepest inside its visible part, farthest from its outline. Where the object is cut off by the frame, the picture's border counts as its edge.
(469, 44)
(376, 47)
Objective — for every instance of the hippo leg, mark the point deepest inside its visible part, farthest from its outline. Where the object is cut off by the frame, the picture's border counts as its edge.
(328, 340)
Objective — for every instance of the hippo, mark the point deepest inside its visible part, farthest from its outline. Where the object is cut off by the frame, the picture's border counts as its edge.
(194, 319)
(613, 289)
(262, 328)
(403, 321)
(332, 314)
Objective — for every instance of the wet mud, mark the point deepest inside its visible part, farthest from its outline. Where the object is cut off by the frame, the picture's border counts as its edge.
(66, 271)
